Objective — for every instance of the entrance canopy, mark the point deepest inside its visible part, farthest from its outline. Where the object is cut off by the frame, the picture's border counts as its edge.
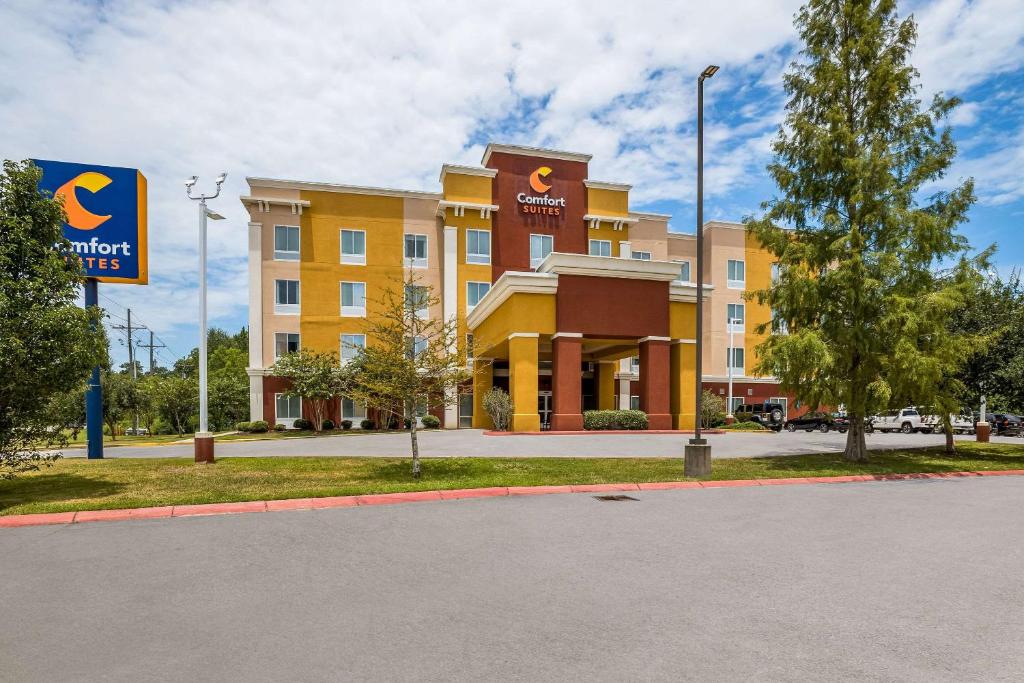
(579, 309)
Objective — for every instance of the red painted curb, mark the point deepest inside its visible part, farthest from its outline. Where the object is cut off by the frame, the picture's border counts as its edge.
(601, 432)
(51, 518)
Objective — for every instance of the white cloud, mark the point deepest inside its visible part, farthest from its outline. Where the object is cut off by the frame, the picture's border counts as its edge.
(381, 94)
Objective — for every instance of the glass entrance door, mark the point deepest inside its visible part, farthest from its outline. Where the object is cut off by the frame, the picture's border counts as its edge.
(465, 411)
(544, 409)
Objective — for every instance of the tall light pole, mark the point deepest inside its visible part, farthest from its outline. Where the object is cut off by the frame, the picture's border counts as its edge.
(203, 439)
(697, 460)
(731, 362)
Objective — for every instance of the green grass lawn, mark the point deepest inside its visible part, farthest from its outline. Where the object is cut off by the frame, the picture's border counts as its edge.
(126, 483)
(164, 439)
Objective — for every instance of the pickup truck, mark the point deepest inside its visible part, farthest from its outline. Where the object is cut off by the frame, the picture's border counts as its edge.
(905, 420)
(962, 424)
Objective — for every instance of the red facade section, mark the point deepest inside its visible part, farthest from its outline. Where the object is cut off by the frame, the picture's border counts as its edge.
(514, 222)
(611, 307)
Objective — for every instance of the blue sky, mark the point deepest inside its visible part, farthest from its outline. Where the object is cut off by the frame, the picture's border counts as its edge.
(375, 93)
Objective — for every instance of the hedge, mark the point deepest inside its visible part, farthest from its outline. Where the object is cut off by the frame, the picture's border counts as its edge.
(346, 424)
(367, 424)
(257, 427)
(614, 419)
(302, 423)
(430, 422)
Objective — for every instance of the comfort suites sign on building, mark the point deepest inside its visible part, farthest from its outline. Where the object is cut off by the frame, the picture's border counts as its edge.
(539, 202)
(106, 211)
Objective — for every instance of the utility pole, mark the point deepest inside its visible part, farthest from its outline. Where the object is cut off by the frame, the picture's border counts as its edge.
(151, 345)
(131, 356)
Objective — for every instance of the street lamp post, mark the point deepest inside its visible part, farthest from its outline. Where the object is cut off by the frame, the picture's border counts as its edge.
(203, 439)
(697, 459)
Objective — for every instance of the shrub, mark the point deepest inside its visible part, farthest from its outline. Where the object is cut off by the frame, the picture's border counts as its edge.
(498, 406)
(327, 425)
(279, 427)
(259, 427)
(302, 424)
(745, 426)
(406, 423)
(712, 409)
(368, 424)
(614, 419)
(430, 422)
(346, 424)
(243, 426)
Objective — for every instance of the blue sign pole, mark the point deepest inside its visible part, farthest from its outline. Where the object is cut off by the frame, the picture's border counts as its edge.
(94, 393)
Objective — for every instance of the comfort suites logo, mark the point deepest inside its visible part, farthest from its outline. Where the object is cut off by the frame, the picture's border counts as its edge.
(531, 203)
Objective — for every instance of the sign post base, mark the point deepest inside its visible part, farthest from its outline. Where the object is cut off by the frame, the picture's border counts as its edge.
(204, 447)
(697, 459)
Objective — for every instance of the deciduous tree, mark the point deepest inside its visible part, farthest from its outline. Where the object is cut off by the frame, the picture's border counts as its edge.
(316, 377)
(48, 343)
(858, 287)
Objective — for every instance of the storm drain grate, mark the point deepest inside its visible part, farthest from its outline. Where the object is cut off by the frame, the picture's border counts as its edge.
(615, 498)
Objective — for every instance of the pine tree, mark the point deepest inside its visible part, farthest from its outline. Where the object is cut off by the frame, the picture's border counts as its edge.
(859, 288)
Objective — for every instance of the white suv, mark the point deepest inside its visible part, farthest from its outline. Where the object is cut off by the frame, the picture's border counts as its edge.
(906, 420)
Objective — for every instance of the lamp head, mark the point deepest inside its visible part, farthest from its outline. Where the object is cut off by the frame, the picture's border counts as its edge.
(191, 182)
(710, 71)
(221, 178)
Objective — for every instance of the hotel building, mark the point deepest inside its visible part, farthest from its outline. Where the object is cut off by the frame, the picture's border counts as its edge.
(575, 301)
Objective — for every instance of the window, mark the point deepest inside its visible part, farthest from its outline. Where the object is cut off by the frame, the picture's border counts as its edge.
(419, 345)
(600, 248)
(641, 255)
(474, 292)
(779, 325)
(478, 246)
(286, 243)
(776, 272)
(353, 247)
(634, 403)
(634, 364)
(736, 317)
(353, 299)
(285, 343)
(286, 297)
(350, 410)
(540, 247)
(735, 358)
(737, 275)
(737, 401)
(417, 299)
(469, 349)
(416, 250)
(287, 409)
(351, 345)
(684, 271)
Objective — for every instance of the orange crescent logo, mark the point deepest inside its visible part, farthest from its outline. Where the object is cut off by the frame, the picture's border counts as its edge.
(536, 183)
(78, 216)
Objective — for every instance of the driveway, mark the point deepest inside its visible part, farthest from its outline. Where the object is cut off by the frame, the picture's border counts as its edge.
(473, 443)
(916, 580)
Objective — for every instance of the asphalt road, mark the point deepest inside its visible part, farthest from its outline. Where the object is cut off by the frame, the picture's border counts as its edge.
(916, 580)
(473, 443)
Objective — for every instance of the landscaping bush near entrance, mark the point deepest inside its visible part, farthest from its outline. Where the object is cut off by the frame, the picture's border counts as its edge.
(257, 427)
(614, 419)
(302, 424)
(430, 422)
(745, 427)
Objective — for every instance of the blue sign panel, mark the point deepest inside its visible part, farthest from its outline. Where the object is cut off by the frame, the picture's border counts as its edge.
(106, 209)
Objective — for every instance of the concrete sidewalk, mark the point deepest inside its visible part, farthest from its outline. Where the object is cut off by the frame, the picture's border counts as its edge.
(473, 443)
(914, 580)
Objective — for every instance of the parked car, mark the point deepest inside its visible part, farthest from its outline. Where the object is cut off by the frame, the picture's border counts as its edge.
(808, 422)
(770, 415)
(906, 420)
(961, 424)
(1005, 424)
(841, 423)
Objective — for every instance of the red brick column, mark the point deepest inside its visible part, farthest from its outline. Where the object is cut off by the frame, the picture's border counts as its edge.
(566, 383)
(654, 381)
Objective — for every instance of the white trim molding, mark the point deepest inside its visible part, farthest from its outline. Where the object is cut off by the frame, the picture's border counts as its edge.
(603, 185)
(344, 189)
(459, 208)
(594, 221)
(657, 339)
(524, 335)
(684, 341)
(466, 170)
(642, 215)
(573, 335)
(608, 266)
(520, 150)
(686, 291)
(263, 204)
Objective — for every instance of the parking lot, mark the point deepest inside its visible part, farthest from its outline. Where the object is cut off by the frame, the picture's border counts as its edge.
(474, 443)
